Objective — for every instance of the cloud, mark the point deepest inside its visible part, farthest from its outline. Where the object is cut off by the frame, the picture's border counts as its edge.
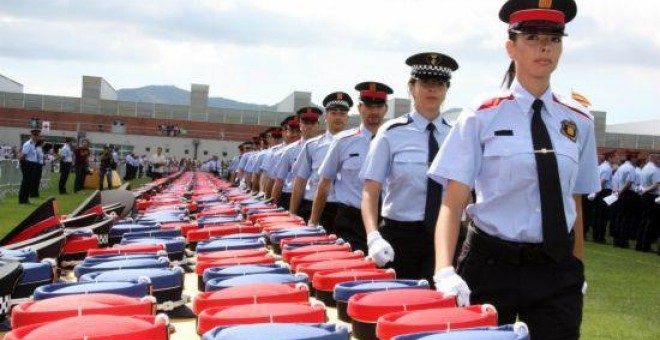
(260, 51)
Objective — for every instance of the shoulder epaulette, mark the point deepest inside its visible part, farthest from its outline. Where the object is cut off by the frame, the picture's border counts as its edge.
(574, 107)
(401, 122)
(349, 133)
(495, 101)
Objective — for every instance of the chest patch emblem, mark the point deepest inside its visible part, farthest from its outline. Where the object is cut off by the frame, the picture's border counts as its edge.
(569, 129)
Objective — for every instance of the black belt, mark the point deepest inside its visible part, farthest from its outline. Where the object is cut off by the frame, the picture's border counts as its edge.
(347, 210)
(507, 251)
(388, 223)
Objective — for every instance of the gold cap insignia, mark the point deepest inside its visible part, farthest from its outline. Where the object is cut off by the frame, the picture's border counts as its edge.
(433, 59)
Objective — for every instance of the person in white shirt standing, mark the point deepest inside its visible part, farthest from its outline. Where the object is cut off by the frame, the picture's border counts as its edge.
(66, 162)
(158, 164)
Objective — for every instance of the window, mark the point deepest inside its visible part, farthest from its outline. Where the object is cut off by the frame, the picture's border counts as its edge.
(186, 151)
(148, 149)
(167, 150)
(206, 153)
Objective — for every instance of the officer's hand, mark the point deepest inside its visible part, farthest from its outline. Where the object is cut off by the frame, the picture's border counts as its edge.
(657, 200)
(379, 249)
(591, 196)
(449, 283)
(584, 288)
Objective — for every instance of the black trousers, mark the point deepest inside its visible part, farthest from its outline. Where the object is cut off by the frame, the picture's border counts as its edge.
(105, 172)
(601, 216)
(649, 225)
(65, 170)
(305, 209)
(414, 254)
(350, 228)
(36, 178)
(624, 225)
(328, 217)
(130, 172)
(28, 170)
(544, 294)
(79, 183)
(285, 199)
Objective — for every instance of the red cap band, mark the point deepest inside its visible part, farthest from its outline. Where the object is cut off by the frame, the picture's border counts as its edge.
(373, 94)
(537, 15)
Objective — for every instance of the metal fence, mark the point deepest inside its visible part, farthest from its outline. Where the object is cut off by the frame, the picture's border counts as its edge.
(10, 177)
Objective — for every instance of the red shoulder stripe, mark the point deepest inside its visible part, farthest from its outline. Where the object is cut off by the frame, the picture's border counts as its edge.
(493, 102)
(570, 108)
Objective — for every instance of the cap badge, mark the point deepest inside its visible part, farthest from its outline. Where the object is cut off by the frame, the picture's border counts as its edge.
(545, 3)
(372, 86)
(340, 96)
(433, 59)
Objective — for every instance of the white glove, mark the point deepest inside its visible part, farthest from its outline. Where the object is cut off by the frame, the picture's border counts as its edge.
(449, 283)
(591, 196)
(379, 249)
(584, 288)
(657, 200)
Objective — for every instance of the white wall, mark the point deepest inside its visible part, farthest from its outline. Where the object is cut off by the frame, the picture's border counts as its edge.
(176, 145)
(9, 85)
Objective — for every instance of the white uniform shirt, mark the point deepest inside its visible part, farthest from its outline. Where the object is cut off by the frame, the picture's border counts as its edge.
(343, 162)
(309, 161)
(491, 149)
(398, 159)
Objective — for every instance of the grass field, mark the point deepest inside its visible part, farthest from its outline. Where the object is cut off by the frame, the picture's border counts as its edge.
(623, 300)
(12, 213)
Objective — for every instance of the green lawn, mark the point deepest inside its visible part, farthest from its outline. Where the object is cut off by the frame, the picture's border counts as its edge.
(623, 300)
(12, 213)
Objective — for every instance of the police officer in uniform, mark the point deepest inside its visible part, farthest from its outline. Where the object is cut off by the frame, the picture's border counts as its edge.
(274, 137)
(530, 155)
(240, 172)
(29, 164)
(290, 134)
(38, 171)
(650, 219)
(66, 162)
(308, 123)
(601, 210)
(255, 162)
(251, 158)
(628, 199)
(337, 105)
(396, 164)
(341, 167)
(233, 164)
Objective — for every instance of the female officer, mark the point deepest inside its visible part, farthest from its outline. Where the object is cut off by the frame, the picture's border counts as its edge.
(397, 162)
(529, 154)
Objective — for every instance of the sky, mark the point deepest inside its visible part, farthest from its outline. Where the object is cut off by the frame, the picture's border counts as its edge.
(261, 51)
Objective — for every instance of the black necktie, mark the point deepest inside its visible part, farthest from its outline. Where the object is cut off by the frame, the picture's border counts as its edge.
(433, 189)
(555, 235)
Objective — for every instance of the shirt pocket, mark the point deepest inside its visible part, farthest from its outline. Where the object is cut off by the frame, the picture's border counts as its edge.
(350, 167)
(409, 167)
(508, 164)
(352, 164)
